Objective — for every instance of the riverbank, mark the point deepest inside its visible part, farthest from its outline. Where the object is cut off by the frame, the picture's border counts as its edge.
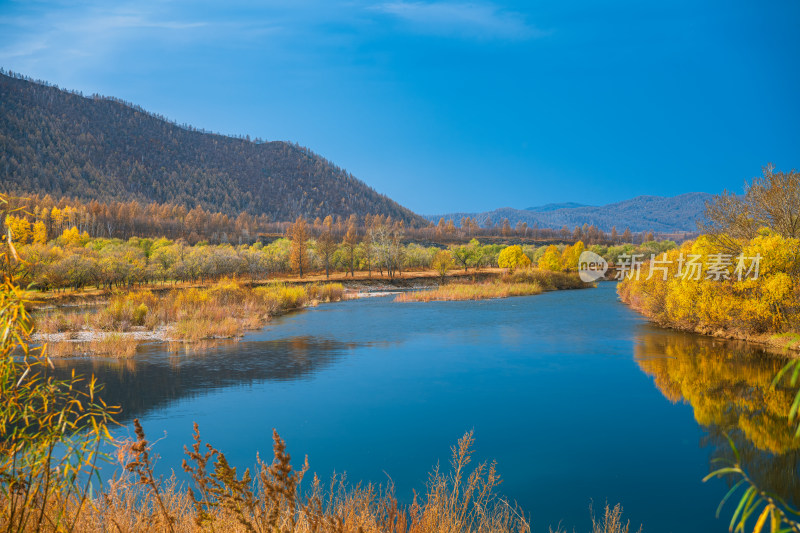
(754, 297)
(184, 316)
(785, 343)
(223, 311)
(360, 282)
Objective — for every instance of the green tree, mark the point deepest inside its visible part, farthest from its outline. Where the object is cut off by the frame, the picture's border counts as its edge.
(463, 255)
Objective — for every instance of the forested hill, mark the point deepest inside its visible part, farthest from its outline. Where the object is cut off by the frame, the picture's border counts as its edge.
(643, 213)
(63, 144)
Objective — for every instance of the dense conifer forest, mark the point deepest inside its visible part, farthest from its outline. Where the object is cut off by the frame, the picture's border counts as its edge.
(62, 143)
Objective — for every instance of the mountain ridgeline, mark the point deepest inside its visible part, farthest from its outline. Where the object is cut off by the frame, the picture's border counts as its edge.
(677, 214)
(97, 148)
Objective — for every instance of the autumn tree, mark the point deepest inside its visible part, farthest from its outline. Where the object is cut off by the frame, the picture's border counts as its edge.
(771, 201)
(367, 246)
(442, 262)
(326, 244)
(20, 229)
(551, 259)
(39, 232)
(571, 255)
(298, 235)
(350, 246)
(512, 257)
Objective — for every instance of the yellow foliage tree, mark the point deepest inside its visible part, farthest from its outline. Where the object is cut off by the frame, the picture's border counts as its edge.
(442, 262)
(571, 255)
(56, 216)
(20, 229)
(551, 260)
(758, 293)
(73, 237)
(512, 257)
(39, 232)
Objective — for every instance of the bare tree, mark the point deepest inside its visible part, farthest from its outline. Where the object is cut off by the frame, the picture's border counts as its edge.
(771, 201)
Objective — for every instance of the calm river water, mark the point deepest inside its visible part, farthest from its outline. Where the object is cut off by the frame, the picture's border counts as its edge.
(576, 397)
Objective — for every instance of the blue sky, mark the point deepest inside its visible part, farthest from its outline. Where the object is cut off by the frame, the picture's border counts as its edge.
(453, 106)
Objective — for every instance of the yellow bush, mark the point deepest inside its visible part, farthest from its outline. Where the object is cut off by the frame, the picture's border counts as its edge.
(765, 300)
(139, 314)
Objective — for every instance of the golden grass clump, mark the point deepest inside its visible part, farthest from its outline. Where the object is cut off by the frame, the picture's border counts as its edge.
(522, 282)
(58, 322)
(470, 291)
(327, 292)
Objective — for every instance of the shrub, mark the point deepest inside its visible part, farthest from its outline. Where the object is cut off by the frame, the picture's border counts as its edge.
(139, 314)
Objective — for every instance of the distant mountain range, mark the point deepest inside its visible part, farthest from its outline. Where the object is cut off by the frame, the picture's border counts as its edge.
(643, 213)
(546, 208)
(61, 143)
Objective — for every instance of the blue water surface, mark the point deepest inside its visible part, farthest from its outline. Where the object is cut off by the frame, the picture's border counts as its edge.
(382, 390)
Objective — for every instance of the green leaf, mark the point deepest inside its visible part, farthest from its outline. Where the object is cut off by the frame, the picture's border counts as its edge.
(728, 495)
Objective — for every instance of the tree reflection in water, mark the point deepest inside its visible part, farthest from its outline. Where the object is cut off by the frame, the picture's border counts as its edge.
(729, 386)
(155, 378)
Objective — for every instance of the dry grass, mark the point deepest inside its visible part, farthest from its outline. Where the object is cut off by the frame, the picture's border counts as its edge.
(272, 498)
(59, 322)
(224, 310)
(114, 344)
(612, 521)
(520, 283)
(470, 291)
(103, 344)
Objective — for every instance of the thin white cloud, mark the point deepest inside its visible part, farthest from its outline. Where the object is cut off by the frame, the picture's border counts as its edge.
(63, 40)
(121, 21)
(464, 19)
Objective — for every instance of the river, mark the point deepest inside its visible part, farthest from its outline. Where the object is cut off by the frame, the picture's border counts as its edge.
(575, 396)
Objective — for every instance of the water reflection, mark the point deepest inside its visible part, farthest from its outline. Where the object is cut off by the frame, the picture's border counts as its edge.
(156, 378)
(729, 386)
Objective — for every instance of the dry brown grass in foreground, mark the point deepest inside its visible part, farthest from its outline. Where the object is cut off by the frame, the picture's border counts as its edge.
(520, 283)
(272, 499)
